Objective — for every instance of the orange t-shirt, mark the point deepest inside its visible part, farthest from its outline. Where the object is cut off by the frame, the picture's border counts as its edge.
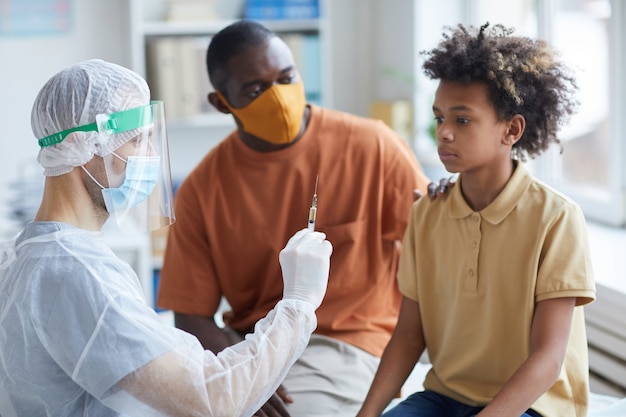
(237, 209)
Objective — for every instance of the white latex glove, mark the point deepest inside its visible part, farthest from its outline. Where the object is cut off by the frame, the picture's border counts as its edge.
(305, 262)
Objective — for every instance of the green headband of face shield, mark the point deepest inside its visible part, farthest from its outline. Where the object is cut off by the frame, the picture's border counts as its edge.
(119, 122)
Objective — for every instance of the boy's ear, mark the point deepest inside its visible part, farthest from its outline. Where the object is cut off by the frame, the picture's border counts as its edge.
(517, 124)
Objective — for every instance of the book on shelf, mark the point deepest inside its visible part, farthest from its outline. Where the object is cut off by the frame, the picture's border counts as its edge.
(161, 72)
(191, 10)
(189, 94)
(306, 52)
(203, 85)
(281, 9)
(311, 68)
(397, 114)
(176, 73)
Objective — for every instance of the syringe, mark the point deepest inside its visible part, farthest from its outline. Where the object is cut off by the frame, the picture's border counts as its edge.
(313, 209)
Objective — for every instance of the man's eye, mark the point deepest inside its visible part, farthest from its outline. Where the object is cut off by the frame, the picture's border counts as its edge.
(255, 93)
(288, 79)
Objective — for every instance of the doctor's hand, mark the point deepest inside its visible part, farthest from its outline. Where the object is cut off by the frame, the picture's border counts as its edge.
(305, 262)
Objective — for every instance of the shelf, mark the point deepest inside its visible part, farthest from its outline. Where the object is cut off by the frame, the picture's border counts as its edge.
(199, 28)
(203, 120)
(158, 43)
(157, 262)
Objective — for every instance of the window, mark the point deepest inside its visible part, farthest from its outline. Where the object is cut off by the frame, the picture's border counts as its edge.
(589, 169)
(590, 37)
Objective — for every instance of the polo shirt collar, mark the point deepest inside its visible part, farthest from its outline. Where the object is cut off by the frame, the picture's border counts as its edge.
(499, 208)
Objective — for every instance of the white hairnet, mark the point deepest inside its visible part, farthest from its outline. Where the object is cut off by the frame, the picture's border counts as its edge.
(73, 98)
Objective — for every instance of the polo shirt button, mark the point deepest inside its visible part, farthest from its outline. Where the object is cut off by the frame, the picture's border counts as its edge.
(471, 272)
(474, 244)
(476, 217)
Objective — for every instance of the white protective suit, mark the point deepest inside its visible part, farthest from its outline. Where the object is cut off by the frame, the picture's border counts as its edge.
(77, 338)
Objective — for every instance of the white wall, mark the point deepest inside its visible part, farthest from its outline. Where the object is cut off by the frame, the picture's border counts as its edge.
(99, 30)
(368, 37)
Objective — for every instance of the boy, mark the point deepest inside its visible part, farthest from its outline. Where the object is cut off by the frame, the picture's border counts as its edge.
(494, 273)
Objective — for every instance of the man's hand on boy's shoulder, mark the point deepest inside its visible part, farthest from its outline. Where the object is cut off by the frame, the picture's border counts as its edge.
(436, 189)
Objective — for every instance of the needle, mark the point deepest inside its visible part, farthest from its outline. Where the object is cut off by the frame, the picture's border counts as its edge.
(313, 209)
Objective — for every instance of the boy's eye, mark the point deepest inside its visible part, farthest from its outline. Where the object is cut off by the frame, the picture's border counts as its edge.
(438, 119)
(462, 120)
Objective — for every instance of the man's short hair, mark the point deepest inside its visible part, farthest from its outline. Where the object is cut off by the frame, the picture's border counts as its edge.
(231, 41)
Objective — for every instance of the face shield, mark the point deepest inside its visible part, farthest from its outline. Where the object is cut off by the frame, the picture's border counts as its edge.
(138, 191)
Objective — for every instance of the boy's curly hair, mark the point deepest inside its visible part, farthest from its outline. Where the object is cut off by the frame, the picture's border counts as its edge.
(522, 76)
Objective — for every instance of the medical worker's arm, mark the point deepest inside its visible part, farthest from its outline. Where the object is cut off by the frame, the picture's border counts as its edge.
(549, 336)
(213, 338)
(236, 382)
(398, 360)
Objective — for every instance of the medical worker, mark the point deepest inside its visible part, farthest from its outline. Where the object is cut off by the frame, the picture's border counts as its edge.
(76, 335)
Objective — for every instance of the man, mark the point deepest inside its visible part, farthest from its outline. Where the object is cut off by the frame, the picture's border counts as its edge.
(76, 335)
(255, 188)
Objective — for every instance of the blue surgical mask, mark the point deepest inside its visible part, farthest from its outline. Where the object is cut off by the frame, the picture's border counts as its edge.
(142, 174)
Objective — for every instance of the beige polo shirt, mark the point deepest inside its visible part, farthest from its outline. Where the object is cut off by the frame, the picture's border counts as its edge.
(477, 277)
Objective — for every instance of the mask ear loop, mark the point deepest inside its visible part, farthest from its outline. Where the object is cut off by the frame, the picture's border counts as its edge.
(95, 180)
(120, 158)
(92, 177)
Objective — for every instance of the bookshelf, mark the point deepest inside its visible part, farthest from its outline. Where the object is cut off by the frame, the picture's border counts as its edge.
(192, 133)
(149, 30)
(193, 129)
(161, 28)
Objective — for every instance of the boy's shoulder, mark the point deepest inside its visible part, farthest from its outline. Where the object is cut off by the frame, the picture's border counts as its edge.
(545, 194)
(524, 193)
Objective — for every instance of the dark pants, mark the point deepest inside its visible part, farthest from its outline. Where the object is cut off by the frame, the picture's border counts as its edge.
(431, 404)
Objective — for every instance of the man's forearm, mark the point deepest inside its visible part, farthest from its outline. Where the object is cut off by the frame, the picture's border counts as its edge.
(210, 335)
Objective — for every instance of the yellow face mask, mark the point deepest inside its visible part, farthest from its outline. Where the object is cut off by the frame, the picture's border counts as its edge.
(275, 116)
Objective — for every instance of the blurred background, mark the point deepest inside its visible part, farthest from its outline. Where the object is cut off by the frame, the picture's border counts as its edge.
(360, 56)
